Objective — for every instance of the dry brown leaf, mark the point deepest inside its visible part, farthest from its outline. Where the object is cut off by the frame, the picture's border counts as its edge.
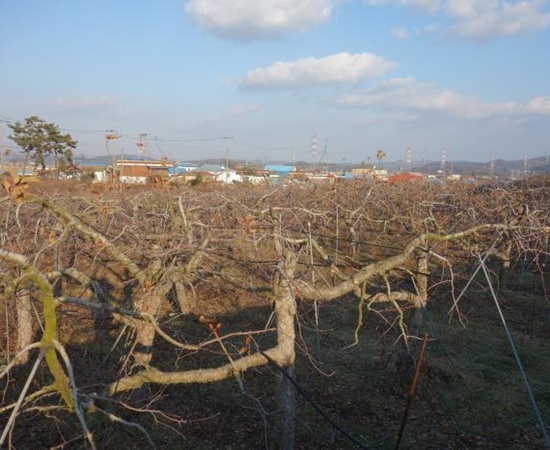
(146, 286)
(17, 186)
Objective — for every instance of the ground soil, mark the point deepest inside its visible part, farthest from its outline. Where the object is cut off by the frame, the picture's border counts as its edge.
(469, 393)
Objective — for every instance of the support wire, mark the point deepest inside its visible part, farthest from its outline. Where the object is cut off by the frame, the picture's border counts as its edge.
(516, 356)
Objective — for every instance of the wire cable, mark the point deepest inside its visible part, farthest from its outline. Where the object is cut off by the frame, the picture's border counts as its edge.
(315, 405)
(516, 356)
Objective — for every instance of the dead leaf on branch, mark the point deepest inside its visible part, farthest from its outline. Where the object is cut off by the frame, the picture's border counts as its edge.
(52, 237)
(147, 285)
(17, 186)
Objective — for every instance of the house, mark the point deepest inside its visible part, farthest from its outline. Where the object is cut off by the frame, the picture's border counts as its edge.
(371, 173)
(192, 177)
(221, 174)
(182, 169)
(280, 170)
(135, 171)
(142, 171)
(229, 176)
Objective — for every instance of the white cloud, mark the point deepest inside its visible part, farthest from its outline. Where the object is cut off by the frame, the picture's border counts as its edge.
(430, 6)
(467, 8)
(400, 33)
(405, 94)
(340, 68)
(538, 106)
(403, 119)
(247, 20)
(397, 81)
(483, 19)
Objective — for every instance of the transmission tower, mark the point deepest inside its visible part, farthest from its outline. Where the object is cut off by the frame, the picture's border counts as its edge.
(443, 159)
(325, 157)
(314, 148)
(408, 159)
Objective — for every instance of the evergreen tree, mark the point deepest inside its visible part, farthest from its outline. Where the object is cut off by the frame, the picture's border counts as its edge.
(40, 139)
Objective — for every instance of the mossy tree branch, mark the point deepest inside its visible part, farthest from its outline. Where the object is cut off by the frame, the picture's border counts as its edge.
(49, 337)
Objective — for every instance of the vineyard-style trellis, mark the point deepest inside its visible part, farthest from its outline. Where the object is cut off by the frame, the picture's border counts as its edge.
(144, 272)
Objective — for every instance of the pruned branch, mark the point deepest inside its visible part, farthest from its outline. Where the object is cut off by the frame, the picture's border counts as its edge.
(309, 292)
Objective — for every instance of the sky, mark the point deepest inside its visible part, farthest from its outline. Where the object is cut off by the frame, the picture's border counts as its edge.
(307, 80)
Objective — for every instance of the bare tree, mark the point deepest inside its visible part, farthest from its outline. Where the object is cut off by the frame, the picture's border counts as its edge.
(143, 258)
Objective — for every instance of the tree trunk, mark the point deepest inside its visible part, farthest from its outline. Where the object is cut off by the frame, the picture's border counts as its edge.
(505, 256)
(421, 278)
(285, 310)
(415, 317)
(182, 300)
(145, 331)
(286, 399)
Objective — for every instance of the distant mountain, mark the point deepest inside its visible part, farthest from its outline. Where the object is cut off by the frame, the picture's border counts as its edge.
(497, 167)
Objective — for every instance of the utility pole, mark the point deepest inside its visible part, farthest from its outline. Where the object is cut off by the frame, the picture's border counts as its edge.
(111, 135)
(408, 159)
(227, 157)
(2, 145)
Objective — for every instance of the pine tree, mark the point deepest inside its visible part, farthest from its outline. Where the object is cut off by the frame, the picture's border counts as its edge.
(40, 139)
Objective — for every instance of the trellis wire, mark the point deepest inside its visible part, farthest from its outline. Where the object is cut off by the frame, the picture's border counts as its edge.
(474, 274)
(516, 356)
(310, 400)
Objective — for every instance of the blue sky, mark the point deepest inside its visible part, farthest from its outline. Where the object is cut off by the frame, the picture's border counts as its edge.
(261, 77)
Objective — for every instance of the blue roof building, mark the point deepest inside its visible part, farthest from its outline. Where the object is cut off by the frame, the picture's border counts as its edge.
(182, 168)
(283, 171)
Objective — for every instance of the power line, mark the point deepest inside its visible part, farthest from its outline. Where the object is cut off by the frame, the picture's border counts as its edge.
(218, 138)
(259, 147)
(82, 131)
(133, 136)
